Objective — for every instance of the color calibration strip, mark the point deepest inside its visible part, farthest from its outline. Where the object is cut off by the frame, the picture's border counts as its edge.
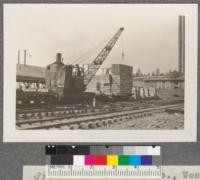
(103, 155)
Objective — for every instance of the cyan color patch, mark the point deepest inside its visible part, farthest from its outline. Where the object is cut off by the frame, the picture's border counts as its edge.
(135, 160)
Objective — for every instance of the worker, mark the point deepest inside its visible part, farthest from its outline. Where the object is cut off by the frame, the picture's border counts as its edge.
(94, 101)
(79, 72)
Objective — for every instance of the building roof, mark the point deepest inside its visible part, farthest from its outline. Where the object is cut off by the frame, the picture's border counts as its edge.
(159, 78)
(30, 73)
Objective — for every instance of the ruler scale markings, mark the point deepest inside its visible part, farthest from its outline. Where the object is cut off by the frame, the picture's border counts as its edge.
(92, 172)
(149, 172)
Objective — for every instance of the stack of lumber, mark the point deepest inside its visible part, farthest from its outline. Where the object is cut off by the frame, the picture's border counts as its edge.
(118, 82)
(122, 82)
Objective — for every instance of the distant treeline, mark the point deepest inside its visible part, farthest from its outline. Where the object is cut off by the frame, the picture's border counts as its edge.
(171, 73)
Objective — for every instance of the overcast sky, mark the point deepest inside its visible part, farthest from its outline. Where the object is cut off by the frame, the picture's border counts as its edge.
(149, 39)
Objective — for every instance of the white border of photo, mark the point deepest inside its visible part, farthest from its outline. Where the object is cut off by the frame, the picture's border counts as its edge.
(11, 134)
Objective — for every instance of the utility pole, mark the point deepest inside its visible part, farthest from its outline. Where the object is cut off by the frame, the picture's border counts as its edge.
(123, 56)
(25, 53)
(19, 55)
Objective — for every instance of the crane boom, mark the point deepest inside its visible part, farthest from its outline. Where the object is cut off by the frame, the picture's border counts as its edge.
(98, 61)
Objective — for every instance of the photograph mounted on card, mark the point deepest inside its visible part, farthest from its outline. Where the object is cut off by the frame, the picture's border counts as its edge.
(100, 72)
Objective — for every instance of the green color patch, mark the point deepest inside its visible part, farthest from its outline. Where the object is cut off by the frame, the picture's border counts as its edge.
(123, 160)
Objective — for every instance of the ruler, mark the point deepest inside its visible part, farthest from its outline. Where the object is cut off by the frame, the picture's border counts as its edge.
(103, 172)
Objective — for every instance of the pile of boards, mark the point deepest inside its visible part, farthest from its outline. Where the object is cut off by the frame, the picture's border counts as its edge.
(119, 81)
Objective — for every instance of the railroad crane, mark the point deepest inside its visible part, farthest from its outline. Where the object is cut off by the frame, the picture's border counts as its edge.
(66, 83)
(70, 81)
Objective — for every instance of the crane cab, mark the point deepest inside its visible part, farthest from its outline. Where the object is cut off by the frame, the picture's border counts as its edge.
(65, 80)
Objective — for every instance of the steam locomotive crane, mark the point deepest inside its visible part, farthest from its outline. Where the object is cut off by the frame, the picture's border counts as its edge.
(96, 64)
(67, 83)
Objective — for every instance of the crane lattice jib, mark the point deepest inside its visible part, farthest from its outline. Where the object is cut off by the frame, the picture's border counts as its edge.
(96, 64)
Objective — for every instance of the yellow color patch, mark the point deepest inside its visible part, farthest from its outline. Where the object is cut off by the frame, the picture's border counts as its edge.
(112, 160)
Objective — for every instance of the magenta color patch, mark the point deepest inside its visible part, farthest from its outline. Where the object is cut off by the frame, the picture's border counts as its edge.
(90, 160)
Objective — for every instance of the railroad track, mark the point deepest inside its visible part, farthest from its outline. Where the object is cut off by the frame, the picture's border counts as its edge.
(36, 113)
(51, 116)
(42, 113)
(92, 120)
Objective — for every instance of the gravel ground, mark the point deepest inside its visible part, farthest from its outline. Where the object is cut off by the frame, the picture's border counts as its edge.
(155, 121)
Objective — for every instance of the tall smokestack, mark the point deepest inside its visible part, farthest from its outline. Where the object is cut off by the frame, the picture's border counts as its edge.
(181, 64)
(59, 57)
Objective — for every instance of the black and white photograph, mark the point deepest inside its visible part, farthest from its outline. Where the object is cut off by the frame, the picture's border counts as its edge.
(100, 68)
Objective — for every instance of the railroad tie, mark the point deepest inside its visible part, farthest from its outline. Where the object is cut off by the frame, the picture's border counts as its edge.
(46, 114)
(64, 127)
(17, 117)
(63, 112)
(58, 126)
(92, 110)
(83, 125)
(91, 125)
(115, 120)
(32, 115)
(98, 123)
(43, 114)
(127, 117)
(20, 116)
(40, 115)
(81, 111)
(110, 121)
(119, 118)
(73, 126)
(104, 122)
(24, 116)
